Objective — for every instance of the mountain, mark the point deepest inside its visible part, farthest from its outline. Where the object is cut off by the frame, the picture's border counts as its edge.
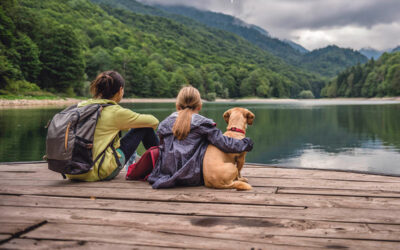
(396, 49)
(375, 78)
(240, 28)
(61, 45)
(288, 51)
(252, 33)
(371, 53)
(297, 46)
(331, 60)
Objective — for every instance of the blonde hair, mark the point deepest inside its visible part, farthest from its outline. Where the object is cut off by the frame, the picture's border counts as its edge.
(187, 102)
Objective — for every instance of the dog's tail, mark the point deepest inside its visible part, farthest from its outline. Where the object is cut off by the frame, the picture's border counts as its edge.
(239, 185)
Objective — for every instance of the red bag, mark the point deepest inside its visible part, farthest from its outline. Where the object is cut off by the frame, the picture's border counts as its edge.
(141, 170)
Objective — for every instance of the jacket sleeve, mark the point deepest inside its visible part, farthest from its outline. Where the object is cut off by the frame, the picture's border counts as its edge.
(128, 119)
(225, 143)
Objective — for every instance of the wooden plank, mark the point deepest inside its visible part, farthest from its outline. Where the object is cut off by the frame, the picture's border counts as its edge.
(299, 173)
(189, 190)
(248, 170)
(129, 235)
(8, 227)
(30, 174)
(202, 194)
(145, 185)
(334, 184)
(44, 209)
(4, 237)
(289, 200)
(392, 187)
(69, 244)
(389, 186)
(337, 192)
(22, 166)
(287, 208)
(332, 215)
(198, 194)
(25, 183)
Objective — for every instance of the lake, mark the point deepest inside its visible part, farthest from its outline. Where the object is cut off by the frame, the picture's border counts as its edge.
(345, 135)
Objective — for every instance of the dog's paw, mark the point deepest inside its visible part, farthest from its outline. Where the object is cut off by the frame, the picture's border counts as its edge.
(243, 179)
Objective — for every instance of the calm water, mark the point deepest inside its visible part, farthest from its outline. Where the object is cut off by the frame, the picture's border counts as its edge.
(361, 136)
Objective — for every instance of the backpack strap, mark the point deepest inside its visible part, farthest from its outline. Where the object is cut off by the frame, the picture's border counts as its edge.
(103, 155)
(115, 155)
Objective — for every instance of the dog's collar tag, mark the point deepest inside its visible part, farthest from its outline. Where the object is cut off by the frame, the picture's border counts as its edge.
(237, 130)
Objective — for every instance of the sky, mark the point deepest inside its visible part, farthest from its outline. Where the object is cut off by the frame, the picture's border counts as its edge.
(315, 23)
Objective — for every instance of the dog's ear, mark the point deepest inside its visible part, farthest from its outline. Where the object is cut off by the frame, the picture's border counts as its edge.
(227, 114)
(250, 117)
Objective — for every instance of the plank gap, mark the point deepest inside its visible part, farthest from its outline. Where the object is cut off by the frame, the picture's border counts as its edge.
(26, 230)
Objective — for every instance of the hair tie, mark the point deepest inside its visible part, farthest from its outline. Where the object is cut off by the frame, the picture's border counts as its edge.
(187, 107)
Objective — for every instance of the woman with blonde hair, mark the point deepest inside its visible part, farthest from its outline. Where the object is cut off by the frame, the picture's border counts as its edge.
(184, 136)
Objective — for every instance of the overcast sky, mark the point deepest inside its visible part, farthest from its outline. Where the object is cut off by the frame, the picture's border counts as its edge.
(316, 23)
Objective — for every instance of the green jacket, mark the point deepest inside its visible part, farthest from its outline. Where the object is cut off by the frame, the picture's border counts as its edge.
(112, 119)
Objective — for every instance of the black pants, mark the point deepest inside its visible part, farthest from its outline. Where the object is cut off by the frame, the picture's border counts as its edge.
(132, 139)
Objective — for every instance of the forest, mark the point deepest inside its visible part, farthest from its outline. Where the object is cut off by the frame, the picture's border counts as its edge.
(375, 78)
(59, 47)
(55, 47)
(327, 61)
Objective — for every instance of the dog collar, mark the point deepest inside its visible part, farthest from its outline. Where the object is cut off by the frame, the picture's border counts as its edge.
(237, 130)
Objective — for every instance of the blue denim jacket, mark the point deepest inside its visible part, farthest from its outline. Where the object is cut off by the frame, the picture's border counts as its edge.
(181, 161)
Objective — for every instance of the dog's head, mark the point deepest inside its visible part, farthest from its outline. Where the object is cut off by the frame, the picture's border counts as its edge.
(238, 113)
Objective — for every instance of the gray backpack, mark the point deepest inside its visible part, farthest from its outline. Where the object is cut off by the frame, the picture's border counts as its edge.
(69, 140)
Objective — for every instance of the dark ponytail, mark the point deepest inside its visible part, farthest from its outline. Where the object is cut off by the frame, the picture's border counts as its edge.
(106, 85)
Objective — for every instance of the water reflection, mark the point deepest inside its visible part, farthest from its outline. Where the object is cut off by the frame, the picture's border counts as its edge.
(310, 134)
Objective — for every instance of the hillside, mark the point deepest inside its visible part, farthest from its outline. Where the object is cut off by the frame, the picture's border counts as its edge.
(249, 32)
(186, 15)
(61, 45)
(331, 60)
(288, 51)
(375, 78)
(297, 46)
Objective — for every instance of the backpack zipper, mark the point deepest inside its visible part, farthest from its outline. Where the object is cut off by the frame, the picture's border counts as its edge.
(66, 136)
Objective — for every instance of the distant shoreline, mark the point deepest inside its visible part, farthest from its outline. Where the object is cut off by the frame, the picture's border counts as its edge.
(21, 103)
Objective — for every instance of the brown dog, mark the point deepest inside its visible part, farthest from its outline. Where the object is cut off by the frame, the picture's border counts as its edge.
(222, 170)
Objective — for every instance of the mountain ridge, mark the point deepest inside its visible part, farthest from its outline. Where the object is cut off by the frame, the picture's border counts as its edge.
(156, 55)
(288, 51)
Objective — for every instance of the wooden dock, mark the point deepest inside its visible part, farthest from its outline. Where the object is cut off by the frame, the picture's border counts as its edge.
(287, 209)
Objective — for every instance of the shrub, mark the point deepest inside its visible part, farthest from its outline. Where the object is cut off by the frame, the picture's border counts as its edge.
(306, 94)
(211, 96)
(21, 87)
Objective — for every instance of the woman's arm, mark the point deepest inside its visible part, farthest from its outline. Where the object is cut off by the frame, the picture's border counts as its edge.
(128, 119)
(227, 144)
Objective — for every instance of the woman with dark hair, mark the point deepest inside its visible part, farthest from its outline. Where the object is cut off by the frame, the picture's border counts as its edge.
(108, 88)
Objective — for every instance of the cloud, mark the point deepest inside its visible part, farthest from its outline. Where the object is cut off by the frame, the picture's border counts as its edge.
(315, 23)
(380, 36)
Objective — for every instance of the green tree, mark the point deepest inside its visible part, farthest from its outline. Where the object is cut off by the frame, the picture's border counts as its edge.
(98, 60)
(393, 77)
(249, 86)
(29, 62)
(62, 58)
(177, 81)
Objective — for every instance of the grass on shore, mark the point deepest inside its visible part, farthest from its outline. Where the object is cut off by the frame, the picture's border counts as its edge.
(40, 95)
(27, 97)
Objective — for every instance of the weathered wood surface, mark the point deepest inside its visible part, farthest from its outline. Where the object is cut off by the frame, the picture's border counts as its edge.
(287, 209)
